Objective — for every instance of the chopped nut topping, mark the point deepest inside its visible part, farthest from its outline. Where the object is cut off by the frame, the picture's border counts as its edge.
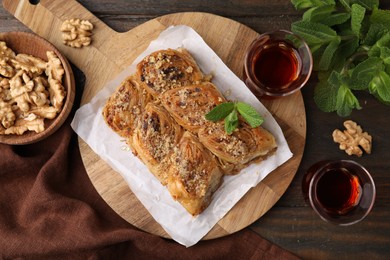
(232, 144)
(186, 152)
(190, 104)
(190, 69)
(157, 135)
(165, 70)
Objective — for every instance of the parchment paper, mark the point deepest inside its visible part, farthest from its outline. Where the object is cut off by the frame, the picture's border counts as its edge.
(89, 124)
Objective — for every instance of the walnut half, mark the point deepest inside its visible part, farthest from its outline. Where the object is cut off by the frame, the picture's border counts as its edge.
(353, 140)
(76, 33)
(30, 94)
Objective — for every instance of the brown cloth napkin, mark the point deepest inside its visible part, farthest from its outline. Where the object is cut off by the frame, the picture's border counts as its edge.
(50, 209)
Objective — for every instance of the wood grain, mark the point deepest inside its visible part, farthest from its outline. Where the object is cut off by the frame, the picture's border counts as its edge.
(226, 37)
(290, 223)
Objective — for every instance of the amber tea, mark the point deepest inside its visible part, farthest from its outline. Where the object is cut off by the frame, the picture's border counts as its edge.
(341, 192)
(338, 191)
(277, 64)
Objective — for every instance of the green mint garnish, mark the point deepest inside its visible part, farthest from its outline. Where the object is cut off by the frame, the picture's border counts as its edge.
(250, 114)
(350, 44)
(220, 112)
(229, 112)
(231, 122)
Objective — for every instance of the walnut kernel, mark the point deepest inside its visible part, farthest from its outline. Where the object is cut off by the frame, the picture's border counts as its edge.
(353, 140)
(30, 90)
(76, 33)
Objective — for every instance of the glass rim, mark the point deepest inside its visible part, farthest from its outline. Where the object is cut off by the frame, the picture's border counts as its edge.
(318, 174)
(254, 81)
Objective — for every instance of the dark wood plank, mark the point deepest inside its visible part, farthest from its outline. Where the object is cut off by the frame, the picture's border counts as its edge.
(299, 230)
(291, 223)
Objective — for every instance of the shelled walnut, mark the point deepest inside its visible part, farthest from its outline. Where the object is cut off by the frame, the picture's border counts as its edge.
(353, 140)
(29, 63)
(76, 33)
(6, 55)
(31, 93)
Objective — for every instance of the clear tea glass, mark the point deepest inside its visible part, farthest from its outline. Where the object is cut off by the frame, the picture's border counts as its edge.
(277, 64)
(341, 192)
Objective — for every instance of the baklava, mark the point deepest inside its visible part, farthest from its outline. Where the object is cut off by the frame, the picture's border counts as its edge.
(167, 69)
(160, 111)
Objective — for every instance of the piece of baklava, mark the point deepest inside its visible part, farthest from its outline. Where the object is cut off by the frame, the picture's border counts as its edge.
(124, 106)
(244, 145)
(167, 69)
(155, 138)
(189, 104)
(194, 175)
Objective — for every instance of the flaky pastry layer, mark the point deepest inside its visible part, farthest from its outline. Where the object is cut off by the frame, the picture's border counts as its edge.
(160, 111)
(167, 69)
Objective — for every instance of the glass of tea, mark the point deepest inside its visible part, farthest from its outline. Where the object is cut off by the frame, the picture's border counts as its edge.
(277, 64)
(341, 192)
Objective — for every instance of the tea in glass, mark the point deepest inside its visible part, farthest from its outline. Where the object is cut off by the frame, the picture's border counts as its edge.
(277, 64)
(341, 192)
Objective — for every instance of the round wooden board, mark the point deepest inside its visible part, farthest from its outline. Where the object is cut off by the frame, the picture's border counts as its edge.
(111, 52)
(229, 40)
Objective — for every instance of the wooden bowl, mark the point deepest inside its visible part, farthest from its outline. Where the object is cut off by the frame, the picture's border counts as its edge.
(28, 43)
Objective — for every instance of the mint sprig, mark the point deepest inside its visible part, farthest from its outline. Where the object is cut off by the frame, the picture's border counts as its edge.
(350, 44)
(229, 112)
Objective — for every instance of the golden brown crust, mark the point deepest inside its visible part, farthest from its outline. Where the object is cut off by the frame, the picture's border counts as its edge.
(124, 106)
(194, 174)
(189, 104)
(167, 69)
(160, 111)
(242, 146)
(156, 135)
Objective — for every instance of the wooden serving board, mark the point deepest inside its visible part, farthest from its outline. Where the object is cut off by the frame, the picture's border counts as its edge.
(111, 52)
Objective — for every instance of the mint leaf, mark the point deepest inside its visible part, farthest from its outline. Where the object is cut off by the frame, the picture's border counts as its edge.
(346, 49)
(364, 72)
(313, 33)
(380, 85)
(328, 54)
(303, 4)
(385, 55)
(220, 112)
(383, 42)
(357, 16)
(350, 45)
(387, 69)
(318, 14)
(231, 122)
(229, 112)
(335, 19)
(368, 4)
(346, 4)
(346, 101)
(375, 32)
(334, 95)
(250, 114)
(381, 17)
(325, 95)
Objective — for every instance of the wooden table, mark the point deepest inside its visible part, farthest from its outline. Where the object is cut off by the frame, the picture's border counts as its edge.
(290, 223)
